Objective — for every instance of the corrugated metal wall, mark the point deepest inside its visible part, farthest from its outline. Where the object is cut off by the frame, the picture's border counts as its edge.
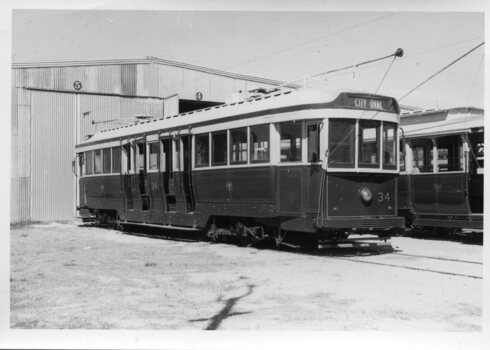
(45, 127)
(20, 181)
(53, 140)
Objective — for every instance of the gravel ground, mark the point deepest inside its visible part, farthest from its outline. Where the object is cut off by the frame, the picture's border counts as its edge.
(64, 276)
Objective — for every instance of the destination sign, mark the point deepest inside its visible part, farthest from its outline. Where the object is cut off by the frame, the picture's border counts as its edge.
(367, 101)
(377, 103)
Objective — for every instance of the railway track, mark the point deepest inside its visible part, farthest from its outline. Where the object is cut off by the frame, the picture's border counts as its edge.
(445, 271)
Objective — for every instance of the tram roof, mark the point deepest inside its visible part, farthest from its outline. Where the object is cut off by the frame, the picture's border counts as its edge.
(441, 121)
(277, 102)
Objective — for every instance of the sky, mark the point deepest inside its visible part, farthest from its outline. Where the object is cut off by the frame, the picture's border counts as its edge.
(278, 44)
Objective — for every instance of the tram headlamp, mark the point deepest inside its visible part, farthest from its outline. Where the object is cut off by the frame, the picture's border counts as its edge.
(365, 194)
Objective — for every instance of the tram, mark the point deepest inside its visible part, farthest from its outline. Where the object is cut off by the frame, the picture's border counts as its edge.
(441, 179)
(303, 165)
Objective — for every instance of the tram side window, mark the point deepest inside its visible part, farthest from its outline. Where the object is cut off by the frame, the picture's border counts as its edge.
(259, 143)
(341, 143)
(202, 150)
(140, 157)
(97, 161)
(389, 145)
(313, 134)
(126, 159)
(238, 146)
(402, 156)
(477, 152)
(369, 143)
(290, 141)
(449, 153)
(219, 156)
(422, 156)
(106, 160)
(153, 156)
(88, 162)
(116, 159)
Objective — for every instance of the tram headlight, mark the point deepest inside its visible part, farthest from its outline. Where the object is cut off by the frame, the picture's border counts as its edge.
(365, 194)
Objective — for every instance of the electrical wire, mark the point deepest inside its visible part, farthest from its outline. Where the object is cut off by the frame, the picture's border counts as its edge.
(440, 71)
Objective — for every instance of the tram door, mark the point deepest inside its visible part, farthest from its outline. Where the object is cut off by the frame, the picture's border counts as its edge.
(187, 173)
(125, 169)
(141, 177)
(475, 172)
(166, 158)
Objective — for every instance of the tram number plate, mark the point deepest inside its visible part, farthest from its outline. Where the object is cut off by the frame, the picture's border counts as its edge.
(384, 197)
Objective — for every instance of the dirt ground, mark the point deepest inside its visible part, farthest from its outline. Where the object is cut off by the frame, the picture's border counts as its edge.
(64, 276)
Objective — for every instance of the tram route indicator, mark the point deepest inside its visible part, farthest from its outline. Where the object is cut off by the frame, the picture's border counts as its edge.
(365, 103)
(368, 102)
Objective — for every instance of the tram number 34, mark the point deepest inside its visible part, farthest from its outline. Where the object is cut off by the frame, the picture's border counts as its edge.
(384, 197)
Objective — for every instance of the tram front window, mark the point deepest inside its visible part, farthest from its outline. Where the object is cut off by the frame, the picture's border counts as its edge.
(369, 143)
(389, 145)
(341, 143)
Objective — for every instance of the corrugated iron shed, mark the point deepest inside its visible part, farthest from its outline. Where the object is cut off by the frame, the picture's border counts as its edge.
(56, 104)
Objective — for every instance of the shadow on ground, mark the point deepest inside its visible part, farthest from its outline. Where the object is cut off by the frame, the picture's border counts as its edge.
(227, 311)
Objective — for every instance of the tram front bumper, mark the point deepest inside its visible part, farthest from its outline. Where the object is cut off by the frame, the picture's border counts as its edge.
(361, 223)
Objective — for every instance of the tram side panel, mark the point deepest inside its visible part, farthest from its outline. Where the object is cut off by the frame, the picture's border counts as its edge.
(241, 192)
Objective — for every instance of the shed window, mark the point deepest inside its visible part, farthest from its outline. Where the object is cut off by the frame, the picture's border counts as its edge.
(238, 146)
(202, 150)
(97, 161)
(116, 159)
(88, 162)
(153, 156)
(290, 142)
(106, 160)
(341, 143)
(259, 143)
(219, 148)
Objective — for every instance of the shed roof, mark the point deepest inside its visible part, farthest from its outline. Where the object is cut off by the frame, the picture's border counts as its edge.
(148, 60)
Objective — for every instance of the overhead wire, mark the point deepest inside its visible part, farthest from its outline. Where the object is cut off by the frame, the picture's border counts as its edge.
(300, 44)
(441, 70)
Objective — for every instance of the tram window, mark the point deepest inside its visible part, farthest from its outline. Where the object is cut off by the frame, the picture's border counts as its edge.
(97, 161)
(290, 142)
(477, 152)
(341, 142)
(389, 145)
(106, 160)
(116, 159)
(449, 153)
(402, 157)
(202, 150)
(153, 156)
(166, 156)
(238, 146)
(88, 162)
(140, 157)
(313, 135)
(126, 160)
(219, 155)
(369, 143)
(422, 156)
(259, 143)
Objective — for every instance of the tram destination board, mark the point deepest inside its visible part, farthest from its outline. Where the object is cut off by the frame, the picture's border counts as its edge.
(369, 102)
